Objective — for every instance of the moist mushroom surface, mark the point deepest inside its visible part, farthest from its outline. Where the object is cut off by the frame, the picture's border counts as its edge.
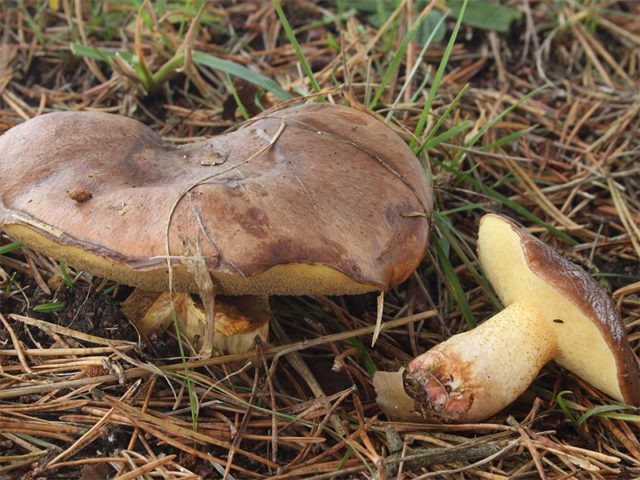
(313, 199)
(310, 199)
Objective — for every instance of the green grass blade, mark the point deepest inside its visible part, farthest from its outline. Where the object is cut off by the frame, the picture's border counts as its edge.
(32, 23)
(416, 66)
(428, 143)
(9, 284)
(193, 404)
(95, 53)
(442, 247)
(397, 58)
(504, 200)
(240, 71)
(10, 247)
(241, 108)
(502, 114)
(506, 139)
(65, 275)
(422, 121)
(564, 406)
(623, 417)
(165, 69)
(606, 411)
(434, 142)
(296, 46)
(456, 242)
(201, 58)
(51, 307)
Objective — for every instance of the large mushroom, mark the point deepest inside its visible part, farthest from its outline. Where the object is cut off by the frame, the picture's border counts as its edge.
(313, 199)
(554, 310)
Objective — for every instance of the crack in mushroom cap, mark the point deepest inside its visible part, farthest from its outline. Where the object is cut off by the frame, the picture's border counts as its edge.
(591, 338)
(309, 199)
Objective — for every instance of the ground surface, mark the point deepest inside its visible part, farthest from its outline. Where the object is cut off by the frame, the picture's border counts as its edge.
(81, 398)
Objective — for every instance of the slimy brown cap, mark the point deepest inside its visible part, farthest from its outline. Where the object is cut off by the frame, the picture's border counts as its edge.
(312, 199)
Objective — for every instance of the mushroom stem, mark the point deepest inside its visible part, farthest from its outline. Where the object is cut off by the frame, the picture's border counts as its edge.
(475, 374)
(238, 320)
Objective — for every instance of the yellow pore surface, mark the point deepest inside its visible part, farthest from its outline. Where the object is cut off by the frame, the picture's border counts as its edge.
(580, 344)
(283, 279)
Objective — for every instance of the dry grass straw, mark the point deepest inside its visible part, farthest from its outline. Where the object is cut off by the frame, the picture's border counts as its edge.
(77, 405)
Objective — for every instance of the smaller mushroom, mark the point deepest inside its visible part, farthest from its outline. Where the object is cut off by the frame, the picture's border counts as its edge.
(554, 310)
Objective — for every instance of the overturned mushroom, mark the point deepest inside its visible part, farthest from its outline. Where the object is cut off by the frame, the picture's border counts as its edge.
(553, 310)
(314, 199)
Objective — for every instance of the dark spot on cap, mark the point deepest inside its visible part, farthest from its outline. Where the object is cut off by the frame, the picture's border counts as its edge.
(79, 194)
(256, 222)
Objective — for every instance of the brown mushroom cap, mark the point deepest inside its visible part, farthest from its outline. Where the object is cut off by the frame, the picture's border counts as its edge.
(590, 336)
(317, 198)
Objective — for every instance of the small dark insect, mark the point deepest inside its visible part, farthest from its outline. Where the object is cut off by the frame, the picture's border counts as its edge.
(79, 194)
(557, 320)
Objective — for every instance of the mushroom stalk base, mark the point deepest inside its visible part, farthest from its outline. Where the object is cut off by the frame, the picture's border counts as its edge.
(475, 374)
(238, 320)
